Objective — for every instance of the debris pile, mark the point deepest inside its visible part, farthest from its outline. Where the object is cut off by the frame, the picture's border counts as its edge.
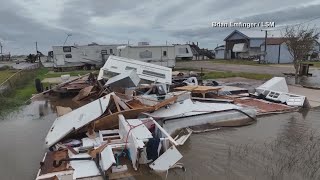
(131, 117)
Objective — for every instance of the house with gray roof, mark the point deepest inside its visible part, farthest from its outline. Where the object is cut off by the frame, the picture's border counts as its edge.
(244, 44)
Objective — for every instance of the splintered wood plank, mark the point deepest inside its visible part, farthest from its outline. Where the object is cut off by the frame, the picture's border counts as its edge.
(112, 121)
(120, 103)
(83, 93)
(165, 102)
(47, 166)
(116, 102)
(63, 110)
(135, 104)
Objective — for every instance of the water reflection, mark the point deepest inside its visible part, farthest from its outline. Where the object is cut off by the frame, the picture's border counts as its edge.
(284, 146)
(311, 81)
(22, 134)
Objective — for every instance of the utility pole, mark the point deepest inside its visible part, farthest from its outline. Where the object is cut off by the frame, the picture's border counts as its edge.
(36, 47)
(37, 57)
(265, 45)
(1, 51)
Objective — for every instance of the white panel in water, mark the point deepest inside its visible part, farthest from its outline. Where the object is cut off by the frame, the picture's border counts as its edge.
(166, 160)
(76, 119)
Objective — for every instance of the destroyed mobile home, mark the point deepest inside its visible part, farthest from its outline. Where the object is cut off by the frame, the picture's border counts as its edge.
(132, 116)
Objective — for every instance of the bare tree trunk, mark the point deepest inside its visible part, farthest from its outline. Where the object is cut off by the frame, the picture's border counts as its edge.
(296, 77)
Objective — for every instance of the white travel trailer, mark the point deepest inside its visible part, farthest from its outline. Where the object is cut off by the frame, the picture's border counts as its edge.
(183, 52)
(160, 55)
(146, 71)
(86, 56)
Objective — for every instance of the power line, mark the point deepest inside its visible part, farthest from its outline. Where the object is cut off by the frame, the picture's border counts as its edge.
(295, 24)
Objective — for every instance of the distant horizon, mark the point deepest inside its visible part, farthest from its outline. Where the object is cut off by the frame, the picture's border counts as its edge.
(49, 22)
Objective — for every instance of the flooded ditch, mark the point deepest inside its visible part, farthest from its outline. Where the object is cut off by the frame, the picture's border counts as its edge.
(310, 81)
(283, 146)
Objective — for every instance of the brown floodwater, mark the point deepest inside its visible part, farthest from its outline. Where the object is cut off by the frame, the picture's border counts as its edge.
(284, 146)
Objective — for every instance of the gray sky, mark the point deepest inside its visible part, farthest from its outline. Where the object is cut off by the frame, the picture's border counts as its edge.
(22, 22)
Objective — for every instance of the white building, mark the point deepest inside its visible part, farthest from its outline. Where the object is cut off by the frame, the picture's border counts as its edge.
(278, 53)
(219, 52)
(245, 44)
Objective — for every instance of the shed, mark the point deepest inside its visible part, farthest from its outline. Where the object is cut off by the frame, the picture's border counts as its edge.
(277, 51)
(246, 44)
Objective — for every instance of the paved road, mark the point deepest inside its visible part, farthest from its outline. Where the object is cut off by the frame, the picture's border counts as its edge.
(21, 65)
(207, 65)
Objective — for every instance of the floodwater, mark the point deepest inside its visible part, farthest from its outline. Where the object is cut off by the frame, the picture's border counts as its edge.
(22, 134)
(284, 146)
(310, 81)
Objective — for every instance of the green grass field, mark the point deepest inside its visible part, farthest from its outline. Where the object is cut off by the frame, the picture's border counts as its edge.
(227, 74)
(5, 74)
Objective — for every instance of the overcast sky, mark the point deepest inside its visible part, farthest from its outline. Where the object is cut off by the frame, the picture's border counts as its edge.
(23, 22)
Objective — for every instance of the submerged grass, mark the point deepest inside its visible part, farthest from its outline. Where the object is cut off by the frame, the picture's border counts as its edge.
(5, 74)
(22, 92)
(26, 87)
(228, 74)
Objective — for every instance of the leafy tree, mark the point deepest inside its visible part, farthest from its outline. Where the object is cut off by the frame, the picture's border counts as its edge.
(300, 41)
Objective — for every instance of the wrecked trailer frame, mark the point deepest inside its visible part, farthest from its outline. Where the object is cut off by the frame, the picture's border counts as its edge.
(133, 137)
(121, 125)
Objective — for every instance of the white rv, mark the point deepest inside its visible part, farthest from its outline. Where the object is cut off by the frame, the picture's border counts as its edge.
(146, 71)
(86, 56)
(160, 55)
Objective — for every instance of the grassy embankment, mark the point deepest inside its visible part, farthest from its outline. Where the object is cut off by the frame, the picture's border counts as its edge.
(227, 74)
(26, 88)
(4, 74)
